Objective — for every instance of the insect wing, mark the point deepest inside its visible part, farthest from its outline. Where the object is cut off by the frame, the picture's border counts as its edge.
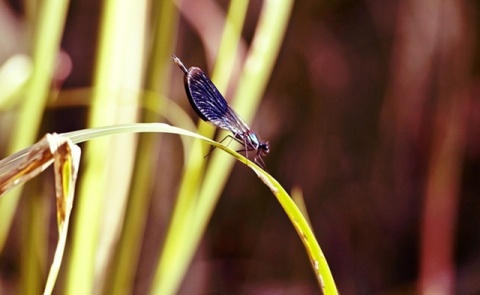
(200, 94)
(209, 103)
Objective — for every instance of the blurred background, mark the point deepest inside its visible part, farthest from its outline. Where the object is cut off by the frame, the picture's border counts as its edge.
(371, 111)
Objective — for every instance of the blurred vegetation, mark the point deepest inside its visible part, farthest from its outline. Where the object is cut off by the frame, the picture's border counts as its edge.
(371, 109)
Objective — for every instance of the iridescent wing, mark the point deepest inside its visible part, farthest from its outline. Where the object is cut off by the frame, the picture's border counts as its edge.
(209, 103)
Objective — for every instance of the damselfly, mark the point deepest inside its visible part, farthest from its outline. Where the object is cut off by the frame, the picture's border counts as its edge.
(210, 105)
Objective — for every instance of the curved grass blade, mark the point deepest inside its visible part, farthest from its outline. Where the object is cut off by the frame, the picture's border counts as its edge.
(319, 263)
(301, 225)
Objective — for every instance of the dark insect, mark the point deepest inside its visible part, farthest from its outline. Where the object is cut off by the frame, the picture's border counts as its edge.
(210, 105)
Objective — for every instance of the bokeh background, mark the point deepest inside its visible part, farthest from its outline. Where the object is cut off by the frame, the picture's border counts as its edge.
(372, 114)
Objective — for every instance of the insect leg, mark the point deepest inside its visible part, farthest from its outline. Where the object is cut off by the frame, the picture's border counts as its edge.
(213, 147)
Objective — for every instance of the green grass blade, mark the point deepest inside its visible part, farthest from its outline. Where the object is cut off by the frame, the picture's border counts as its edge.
(181, 241)
(127, 254)
(48, 28)
(118, 75)
(177, 256)
(301, 225)
(48, 32)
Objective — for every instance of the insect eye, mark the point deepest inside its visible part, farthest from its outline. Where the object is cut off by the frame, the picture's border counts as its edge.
(265, 148)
